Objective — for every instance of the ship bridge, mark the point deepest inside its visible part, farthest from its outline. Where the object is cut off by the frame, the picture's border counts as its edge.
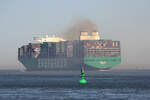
(93, 36)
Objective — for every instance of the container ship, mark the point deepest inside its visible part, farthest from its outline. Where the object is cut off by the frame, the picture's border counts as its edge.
(55, 53)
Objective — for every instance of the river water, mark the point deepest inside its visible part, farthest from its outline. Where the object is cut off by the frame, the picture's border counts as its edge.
(111, 85)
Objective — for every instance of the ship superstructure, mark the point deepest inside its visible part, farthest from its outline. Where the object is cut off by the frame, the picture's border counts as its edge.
(47, 38)
(55, 53)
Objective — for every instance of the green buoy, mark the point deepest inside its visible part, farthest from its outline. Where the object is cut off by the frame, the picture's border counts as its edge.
(82, 81)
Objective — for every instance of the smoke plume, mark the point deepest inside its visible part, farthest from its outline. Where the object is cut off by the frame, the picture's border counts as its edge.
(73, 32)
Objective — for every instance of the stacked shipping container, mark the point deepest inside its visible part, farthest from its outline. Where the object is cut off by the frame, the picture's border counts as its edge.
(101, 48)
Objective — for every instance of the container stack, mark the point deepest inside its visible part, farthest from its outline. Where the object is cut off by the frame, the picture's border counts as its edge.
(101, 48)
(87, 48)
(61, 49)
(69, 49)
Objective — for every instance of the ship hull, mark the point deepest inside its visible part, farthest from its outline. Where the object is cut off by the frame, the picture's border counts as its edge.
(103, 63)
(90, 63)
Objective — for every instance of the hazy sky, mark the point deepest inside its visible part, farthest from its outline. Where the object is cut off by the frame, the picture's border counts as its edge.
(124, 20)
